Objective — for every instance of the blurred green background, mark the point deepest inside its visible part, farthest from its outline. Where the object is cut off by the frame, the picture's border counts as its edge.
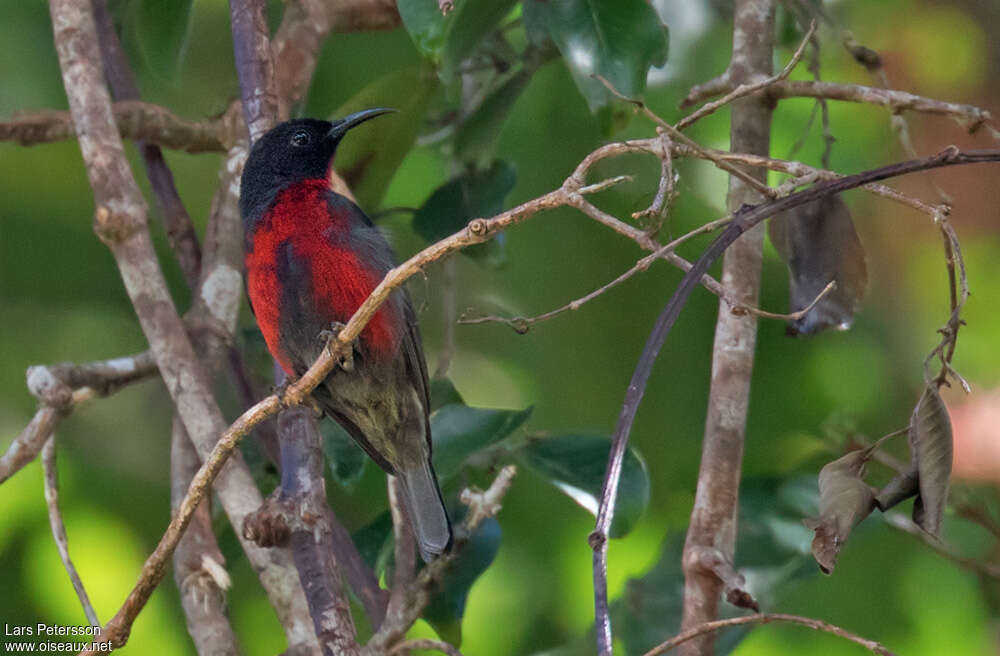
(61, 299)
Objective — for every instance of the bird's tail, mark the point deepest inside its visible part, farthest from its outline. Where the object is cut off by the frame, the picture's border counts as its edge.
(425, 506)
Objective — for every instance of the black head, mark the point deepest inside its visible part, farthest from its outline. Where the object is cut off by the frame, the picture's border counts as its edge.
(294, 151)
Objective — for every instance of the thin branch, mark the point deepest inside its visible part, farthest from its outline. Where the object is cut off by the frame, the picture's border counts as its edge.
(676, 135)
(405, 646)
(59, 529)
(199, 566)
(135, 120)
(59, 389)
(766, 618)
(747, 89)
(404, 549)
(521, 325)
(177, 221)
(969, 116)
(28, 444)
(907, 525)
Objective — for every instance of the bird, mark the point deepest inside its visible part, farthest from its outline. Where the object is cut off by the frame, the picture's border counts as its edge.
(312, 257)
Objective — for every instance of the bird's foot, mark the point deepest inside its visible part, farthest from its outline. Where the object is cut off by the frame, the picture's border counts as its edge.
(328, 336)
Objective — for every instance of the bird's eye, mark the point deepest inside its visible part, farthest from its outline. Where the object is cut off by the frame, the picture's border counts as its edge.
(300, 138)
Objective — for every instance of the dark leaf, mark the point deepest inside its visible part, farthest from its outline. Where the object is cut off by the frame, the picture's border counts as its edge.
(620, 40)
(460, 431)
(159, 31)
(426, 25)
(476, 138)
(369, 158)
(447, 603)
(374, 541)
(343, 455)
(471, 22)
(443, 393)
(575, 464)
(844, 500)
(461, 199)
(818, 242)
(931, 446)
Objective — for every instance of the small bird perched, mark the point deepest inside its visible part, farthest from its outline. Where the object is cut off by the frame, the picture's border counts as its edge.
(312, 258)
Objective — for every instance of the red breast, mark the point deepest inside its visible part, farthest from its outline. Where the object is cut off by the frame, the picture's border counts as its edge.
(339, 281)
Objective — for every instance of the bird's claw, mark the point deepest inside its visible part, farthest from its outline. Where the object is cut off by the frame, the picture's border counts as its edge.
(328, 336)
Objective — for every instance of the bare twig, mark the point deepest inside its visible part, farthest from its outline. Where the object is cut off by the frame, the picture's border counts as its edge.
(404, 549)
(437, 645)
(969, 116)
(61, 387)
(907, 525)
(180, 230)
(199, 566)
(676, 135)
(59, 529)
(135, 120)
(749, 88)
(766, 618)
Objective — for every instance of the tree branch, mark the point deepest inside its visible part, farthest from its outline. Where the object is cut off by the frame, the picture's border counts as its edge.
(120, 221)
(134, 120)
(711, 533)
(199, 566)
(766, 618)
(59, 529)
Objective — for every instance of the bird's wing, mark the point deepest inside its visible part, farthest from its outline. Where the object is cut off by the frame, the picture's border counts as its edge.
(372, 246)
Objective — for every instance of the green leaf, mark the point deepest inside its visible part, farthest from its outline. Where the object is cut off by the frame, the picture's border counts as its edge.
(447, 603)
(476, 138)
(772, 552)
(426, 25)
(617, 39)
(461, 199)
(459, 431)
(368, 159)
(158, 31)
(575, 464)
(343, 455)
(471, 22)
(443, 393)
(374, 542)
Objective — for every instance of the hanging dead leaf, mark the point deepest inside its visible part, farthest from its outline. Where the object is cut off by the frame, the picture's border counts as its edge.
(931, 447)
(819, 244)
(844, 500)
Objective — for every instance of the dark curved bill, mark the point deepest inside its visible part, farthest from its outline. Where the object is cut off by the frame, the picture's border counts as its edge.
(340, 127)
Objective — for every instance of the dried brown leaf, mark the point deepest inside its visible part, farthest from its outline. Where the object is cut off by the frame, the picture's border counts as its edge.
(844, 500)
(931, 447)
(818, 242)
